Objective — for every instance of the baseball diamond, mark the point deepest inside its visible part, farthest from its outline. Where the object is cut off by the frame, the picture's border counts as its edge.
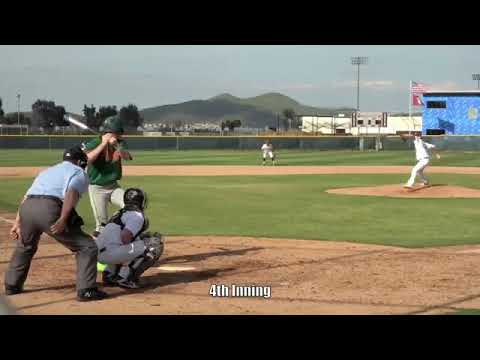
(237, 179)
(324, 232)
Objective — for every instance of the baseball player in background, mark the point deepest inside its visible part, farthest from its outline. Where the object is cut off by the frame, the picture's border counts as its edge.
(124, 246)
(105, 155)
(422, 152)
(267, 150)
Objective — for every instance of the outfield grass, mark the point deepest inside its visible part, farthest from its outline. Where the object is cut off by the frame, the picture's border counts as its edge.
(34, 157)
(296, 206)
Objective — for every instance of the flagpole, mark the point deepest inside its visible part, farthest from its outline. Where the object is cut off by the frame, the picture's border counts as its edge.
(410, 105)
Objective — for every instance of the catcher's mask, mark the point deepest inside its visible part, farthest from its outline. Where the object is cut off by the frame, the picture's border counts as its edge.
(136, 197)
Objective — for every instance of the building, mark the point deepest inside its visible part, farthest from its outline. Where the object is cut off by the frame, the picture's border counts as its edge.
(326, 124)
(366, 123)
(452, 113)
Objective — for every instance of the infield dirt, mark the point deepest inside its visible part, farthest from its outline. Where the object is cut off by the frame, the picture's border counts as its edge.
(306, 277)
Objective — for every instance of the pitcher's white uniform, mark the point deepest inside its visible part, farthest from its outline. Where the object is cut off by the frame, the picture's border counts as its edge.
(422, 152)
(267, 150)
(112, 251)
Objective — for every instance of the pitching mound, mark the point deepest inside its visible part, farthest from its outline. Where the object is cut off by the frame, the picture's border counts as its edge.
(397, 190)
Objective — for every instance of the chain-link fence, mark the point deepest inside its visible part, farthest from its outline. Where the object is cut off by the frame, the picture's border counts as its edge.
(460, 143)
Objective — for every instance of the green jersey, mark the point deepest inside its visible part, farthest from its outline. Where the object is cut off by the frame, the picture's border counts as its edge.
(102, 172)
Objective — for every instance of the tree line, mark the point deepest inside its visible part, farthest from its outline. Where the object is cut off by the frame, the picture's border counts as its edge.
(129, 114)
(289, 121)
(48, 115)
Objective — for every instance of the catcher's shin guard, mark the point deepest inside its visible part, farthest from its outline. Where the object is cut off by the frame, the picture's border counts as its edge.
(154, 249)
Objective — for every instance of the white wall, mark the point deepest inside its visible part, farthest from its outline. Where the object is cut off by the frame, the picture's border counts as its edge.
(317, 124)
(323, 124)
(394, 124)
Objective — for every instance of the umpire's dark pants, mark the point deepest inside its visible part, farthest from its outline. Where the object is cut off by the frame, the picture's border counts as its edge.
(36, 217)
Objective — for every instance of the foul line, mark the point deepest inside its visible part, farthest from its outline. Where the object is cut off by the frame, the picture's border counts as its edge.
(7, 220)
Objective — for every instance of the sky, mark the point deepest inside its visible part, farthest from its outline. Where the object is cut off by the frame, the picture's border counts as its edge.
(315, 75)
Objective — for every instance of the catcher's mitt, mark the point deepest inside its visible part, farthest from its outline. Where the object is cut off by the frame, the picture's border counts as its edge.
(155, 243)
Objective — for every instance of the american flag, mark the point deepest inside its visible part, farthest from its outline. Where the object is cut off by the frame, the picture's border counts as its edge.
(418, 88)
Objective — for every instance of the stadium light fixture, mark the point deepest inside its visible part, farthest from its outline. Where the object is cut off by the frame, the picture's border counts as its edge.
(357, 61)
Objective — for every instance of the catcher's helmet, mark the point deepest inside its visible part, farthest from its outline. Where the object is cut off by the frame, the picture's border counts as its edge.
(113, 124)
(136, 197)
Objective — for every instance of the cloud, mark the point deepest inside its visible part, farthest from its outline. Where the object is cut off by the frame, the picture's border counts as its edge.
(300, 86)
(370, 84)
(444, 85)
(290, 87)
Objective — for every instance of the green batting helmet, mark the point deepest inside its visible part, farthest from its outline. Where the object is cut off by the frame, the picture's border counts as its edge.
(113, 124)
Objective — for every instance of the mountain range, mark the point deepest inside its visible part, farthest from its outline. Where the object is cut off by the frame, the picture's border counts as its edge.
(256, 112)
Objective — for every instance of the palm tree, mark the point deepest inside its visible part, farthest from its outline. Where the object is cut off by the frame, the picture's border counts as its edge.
(289, 114)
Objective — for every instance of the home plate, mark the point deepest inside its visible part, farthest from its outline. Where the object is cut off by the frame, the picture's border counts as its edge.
(175, 268)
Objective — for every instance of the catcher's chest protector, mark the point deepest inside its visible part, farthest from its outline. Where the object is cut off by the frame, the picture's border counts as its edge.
(117, 219)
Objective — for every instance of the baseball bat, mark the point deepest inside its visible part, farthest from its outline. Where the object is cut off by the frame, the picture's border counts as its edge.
(83, 126)
(77, 123)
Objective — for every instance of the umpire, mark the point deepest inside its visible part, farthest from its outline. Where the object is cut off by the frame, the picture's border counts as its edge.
(49, 207)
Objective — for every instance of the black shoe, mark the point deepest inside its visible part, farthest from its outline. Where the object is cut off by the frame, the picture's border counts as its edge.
(128, 284)
(91, 294)
(95, 234)
(12, 290)
(110, 279)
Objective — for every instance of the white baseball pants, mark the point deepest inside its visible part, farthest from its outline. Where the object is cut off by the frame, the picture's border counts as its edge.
(418, 171)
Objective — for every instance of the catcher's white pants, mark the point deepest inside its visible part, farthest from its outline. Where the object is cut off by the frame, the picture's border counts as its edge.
(100, 197)
(418, 171)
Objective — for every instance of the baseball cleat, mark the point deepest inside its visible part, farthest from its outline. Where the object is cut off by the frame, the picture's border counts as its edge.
(128, 284)
(91, 294)
(109, 279)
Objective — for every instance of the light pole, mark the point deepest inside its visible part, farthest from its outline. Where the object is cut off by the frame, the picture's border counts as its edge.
(18, 113)
(476, 77)
(357, 61)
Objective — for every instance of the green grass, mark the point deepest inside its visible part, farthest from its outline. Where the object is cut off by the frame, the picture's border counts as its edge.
(33, 157)
(295, 206)
(466, 312)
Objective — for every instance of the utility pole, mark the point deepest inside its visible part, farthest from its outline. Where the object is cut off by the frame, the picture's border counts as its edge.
(18, 113)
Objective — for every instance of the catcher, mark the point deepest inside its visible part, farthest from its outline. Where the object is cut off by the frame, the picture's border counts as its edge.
(124, 246)
(422, 152)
